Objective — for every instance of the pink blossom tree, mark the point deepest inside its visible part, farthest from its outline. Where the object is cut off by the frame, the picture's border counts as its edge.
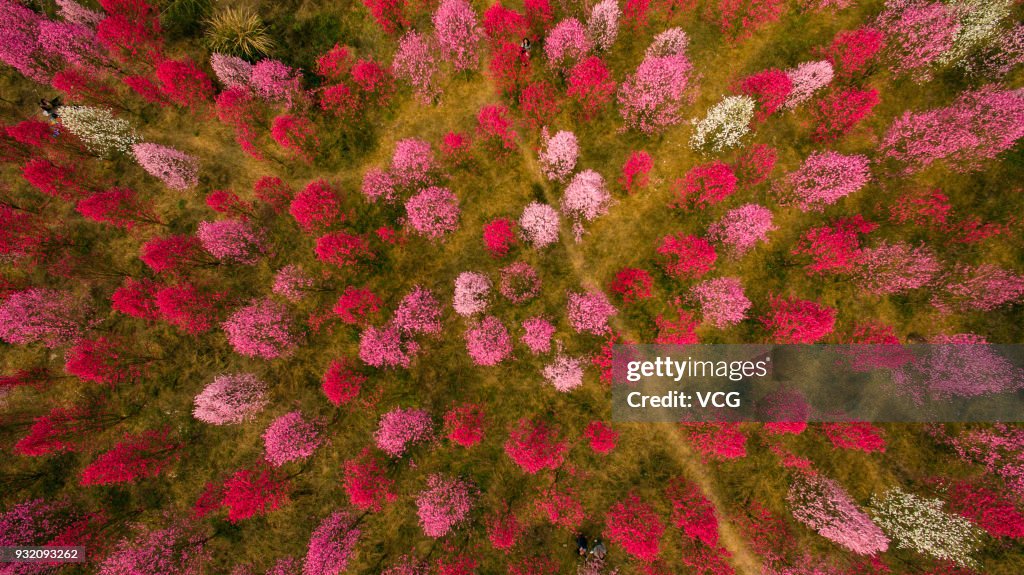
(558, 154)
(51, 317)
(378, 185)
(444, 504)
(412, 164)
(982, 288)
(895, 267)
(585, 199)
(458, 34)
(263, 328)
(722, 301)
(176, 169)
(276, 82)
(173, 549)
(332, 545)
(235, 241)
(291, 437)
(806, 79)
(386, 347)
(230, 398)
(419, 312)
(917, 33)
(589, 312)
(488, 343)
(566, 44)
(822, 180)
(978, 126)
(603, 24)
(471, 291)
(824, 506)
(649, 99)
(742, 228)
(537, 333)
(519, 282)
(538, 225)
(564, 373)
(433, 212)
(292, 283)
(400, 428)
(414, 62)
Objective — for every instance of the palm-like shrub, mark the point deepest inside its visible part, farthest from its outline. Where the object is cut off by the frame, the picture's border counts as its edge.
(238, 31)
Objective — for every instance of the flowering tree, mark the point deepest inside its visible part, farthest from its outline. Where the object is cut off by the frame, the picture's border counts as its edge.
(317, 207)
(495, 130)
(184, 83)
(601, 437)
(632, 284)
(724, 125)
(502, 24)
(341, 382)
(433, 212)
(188, 307)
(739, 19)
(564, 373)
(917, 33)
(343, 249)
(603, 24)
(443, 504)
(807, 78)
(636, 170)
(635, 526)
(722, 301)
(230, 398)
(978, 126)
(499, 236)
(509, 68)
(100, 131)
(566, 44)
(537, 334)
(295, 134)
(535, 445)
(983, 288)
(119, 207)
(386, 347)
(355, 305)
(231, 71)
(649, 99)
(464, 424)
(822, 180)
(103, 360)
(793, 320)
(457, 33)
(823, 505)
(400, 428)
(894, 268)
(471, 290)
(835, 248)
(331, 545)
(419, 312)
(742, 228)
(836, 114)
(585, 198)
(291, 437)
(559, 154)
(292, 282)
(178, 170)
(488, 343)
(853, 51)
(367, 486)
(378, 185)
(262, 329)
(173, 549)
(686, 256)
(917, 523)
(589, 312)
(717, 441)
(232, 241)
(51, 317)
(40, 522)
(591, 85)
(137, 456)
(252, 492)
(859, 436)
(538, 225)
(770, 89)
(414, 62)
(692, 511)
(503, 531)
(995, 513)
(276, 82)
(705, 185)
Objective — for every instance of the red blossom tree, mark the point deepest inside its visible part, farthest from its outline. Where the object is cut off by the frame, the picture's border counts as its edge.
(535, 445)
(635, 526)
(366, 483)
(693, 512)
(253, 492)
(793, 320)
(632, 284)
(838, 112)
(834, 248)
(464, 424)
(184, 83)
(769, 89)
(853, 51)
(137, 456)
(591, 86)
(341, 382)
(684, 256)
(705, 185)
(103, 360)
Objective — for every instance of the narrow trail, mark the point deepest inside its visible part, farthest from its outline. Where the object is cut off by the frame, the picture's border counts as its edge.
(743, 560)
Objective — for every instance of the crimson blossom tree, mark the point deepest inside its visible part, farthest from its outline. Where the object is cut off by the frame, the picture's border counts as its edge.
(739, 19)
(341, 382)
(104, 360)
(692, 511)
(535, 445)
(601, 437)
(834, 248)
(137, 456)
(332, 545)
(684, 256)
(297, 135)
(464, 424)
(635, 526)
(444, 504)
(316, 207)
(190, 308)
(591, 86)
(633, 284)
(793, 320)
(853, 51)
(365, 482)
(63, 429)
(356, 305)
(263, 328)
(183, 83)
(836, 114)
(770, 89)
(253, 492)
(705, 185)
(119, 207)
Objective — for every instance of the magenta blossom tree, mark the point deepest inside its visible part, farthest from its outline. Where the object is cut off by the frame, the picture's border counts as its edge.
(230, 398)
(400, 428)
(443, 504)
(176, 169)
(51, 317)
(793, 320)
(589, 312)
(291, 437)
(262, 329)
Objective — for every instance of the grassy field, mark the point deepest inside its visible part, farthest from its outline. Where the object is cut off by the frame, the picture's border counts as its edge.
(647, 456)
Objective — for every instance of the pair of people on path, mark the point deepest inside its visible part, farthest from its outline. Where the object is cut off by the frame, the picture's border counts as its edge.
(598, 550)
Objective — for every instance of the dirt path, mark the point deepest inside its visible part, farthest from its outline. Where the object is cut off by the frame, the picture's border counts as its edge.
(743, 560)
